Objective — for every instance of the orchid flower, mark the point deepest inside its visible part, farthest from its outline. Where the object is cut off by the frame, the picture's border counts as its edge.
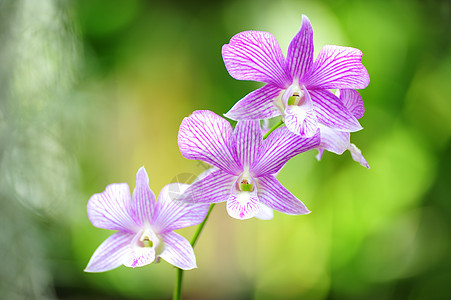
(297, 87)
(145, 226)
(245, 164)
(338, 141)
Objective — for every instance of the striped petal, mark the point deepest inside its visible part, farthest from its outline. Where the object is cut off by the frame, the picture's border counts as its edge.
(213, 188)
(255, 55)
(248, 136)
(301, 122)
(112, 208)
(357, 156)
(333, 140)
(143, 199)
(278, 148)
(352, 101)
(178, 251)
(112, 253)
(272, 194)
(206, 136)
(331, 112)
(256, 105)
(300, 52)
(171, 214)
(337, 68)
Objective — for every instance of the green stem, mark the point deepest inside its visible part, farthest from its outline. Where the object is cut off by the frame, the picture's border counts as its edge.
(272, 129)
(201, 226)
(179, 273)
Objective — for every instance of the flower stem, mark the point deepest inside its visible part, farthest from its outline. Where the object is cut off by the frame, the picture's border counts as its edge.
(272, 129)
(179, 272)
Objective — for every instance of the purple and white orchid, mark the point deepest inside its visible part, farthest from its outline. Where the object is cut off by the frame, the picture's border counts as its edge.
(297, 87)
(145, 226)
(339, 141)
(245, 165)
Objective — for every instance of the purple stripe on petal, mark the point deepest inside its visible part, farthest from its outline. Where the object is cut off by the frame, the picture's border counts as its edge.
(255, 55)
(333, 140)
(331, 112)
(274, 195)
(243, 205)
(248, 136)
(256, 105)
(357, 156)
(112, 208)
(206, 136)
(171, 214)
(178, 251)
(143, 199)
(213, 188)
(112, 253)
(337, 68)
(352, 101)
(278, 148)
(300, 122)
(300, 52)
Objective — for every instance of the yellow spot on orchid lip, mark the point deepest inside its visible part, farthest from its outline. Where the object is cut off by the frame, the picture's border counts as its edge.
(147, 242)
(245, 185)
(292, 100)
(297, 98)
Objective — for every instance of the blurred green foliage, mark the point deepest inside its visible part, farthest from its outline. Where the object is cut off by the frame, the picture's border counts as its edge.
(92, 90)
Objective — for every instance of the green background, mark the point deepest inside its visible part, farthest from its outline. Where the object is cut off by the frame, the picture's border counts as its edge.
(92, 90)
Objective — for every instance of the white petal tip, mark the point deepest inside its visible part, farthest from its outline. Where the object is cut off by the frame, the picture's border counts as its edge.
(228, 115)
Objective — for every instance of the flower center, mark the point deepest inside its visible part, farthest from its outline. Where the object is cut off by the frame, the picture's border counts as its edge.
(148, 239)
(245, 182)
(297, 98)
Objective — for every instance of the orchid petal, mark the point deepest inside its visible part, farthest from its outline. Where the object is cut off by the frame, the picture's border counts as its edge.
(178, 251)
(111, 253)
(320, 153)
(357, 156)
(255, 55)
(332, 113)
(143, 198)
(333, 140)
(213, 188)
(337, 68)
(256, 105)
(206, 136)
(249, 138)
(112, 208)
(265, 213)
(352, 101)
(278, 148)
(300, 52)
(171, 214)
(243, 205)
(274, 195)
